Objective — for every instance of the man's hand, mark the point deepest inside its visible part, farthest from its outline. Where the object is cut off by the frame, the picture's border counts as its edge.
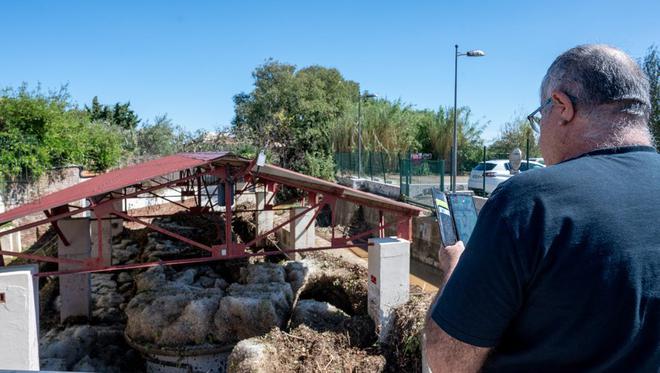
(448, 257)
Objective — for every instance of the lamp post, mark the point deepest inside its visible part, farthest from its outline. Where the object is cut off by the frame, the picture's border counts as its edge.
(454, 155)
(362, 96)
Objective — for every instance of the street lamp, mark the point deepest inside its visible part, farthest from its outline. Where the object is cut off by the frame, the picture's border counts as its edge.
(454, 155)
(360, 98)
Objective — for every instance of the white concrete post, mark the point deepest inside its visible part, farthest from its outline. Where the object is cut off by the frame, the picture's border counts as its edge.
(19, 318)
(389, 282)
(106, 237)
(75, 289)
(264, 219)
(302, 236)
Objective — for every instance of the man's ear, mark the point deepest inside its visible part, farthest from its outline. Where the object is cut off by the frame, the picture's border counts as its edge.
(565, 106)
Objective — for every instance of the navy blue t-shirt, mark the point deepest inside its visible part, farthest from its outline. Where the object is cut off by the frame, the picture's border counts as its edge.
(562, 272)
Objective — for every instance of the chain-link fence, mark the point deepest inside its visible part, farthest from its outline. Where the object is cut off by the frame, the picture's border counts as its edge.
(415, 174)
(377, 166)
(418, 176)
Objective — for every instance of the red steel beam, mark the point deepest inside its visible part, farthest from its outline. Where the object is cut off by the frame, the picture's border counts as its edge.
(45, 221)
(57, 229)
(91, 207)
(42, 258)
(316, 214)
(192, 260)
(373, 230)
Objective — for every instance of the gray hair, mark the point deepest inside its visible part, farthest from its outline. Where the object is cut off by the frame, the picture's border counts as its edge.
(604, 83)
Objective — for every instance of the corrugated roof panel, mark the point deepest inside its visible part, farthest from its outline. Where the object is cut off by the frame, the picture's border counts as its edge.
(304, 181)
(114, 180)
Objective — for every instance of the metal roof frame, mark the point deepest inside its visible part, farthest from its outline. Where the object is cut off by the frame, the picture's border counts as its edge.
(193, 172)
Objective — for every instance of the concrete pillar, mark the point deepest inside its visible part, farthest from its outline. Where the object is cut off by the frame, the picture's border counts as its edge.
(117, 223)
(19, 318)
(263, 219)
(389, 281)
(302, 236)
(106, 236)
(75, 290)
(10, 242)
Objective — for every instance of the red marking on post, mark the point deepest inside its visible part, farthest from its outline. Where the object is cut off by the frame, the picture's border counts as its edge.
(373, 279)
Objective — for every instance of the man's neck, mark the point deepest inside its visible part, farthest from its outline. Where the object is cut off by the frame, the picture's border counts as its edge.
(631, 138)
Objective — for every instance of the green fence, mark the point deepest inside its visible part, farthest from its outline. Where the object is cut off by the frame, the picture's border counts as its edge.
(375, 166)
(417, 177)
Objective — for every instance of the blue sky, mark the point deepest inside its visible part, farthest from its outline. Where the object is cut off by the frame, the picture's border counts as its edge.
(188, 58)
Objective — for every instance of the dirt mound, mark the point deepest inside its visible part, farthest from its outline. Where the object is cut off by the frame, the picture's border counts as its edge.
(303, 350)
(337, 282)
(403, 346)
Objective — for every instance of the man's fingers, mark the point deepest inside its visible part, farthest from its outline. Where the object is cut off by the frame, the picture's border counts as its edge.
(448, 256)
(457, 247)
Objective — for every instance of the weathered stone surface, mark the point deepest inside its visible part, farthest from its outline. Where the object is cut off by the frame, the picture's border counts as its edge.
(296, 273)
(124, 277)
(319, 316)
(251, 355)
(153, 278)
(220, 283)
(251, 310)
(172, 316)
(262, 273)
(205, 281)
(86, 348)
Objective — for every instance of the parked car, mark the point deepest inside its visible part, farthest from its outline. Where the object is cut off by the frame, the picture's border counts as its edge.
(497, 171)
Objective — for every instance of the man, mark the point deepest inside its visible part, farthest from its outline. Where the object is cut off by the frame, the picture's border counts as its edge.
(562, 271)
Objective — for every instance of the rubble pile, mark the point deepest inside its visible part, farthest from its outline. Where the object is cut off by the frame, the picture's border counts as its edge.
(87, 348)
(303, 350)
(307, 315)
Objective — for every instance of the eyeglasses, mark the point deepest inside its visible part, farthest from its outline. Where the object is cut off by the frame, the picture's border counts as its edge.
(535, 117)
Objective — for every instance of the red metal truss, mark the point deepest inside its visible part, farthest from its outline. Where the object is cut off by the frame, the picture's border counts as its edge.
(193, 174)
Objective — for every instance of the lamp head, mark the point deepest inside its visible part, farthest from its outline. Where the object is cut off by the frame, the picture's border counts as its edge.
(475, 53)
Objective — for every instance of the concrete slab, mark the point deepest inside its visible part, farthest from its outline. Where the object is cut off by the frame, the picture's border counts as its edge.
(263, 219)
(75, 290)
(302, 230)
(19, 318)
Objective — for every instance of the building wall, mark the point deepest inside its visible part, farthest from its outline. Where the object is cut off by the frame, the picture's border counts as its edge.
(17, 194)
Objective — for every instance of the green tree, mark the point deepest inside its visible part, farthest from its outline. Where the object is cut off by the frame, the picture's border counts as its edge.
(436, 135)
(40, 130)
(291, 113)
(651, 66)
(514, 134)
(161, 137)
(120, 115)
(103, 146)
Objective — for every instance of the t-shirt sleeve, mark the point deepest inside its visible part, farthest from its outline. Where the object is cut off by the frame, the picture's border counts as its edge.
(486, 289)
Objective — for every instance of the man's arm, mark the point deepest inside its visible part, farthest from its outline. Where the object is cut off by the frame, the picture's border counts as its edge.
(444, 353)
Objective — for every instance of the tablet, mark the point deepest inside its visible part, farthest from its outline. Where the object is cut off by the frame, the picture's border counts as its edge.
(457, 215)
(464, 214)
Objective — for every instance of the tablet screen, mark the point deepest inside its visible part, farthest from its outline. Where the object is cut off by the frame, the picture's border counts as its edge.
(447, 233)
(464, 214)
